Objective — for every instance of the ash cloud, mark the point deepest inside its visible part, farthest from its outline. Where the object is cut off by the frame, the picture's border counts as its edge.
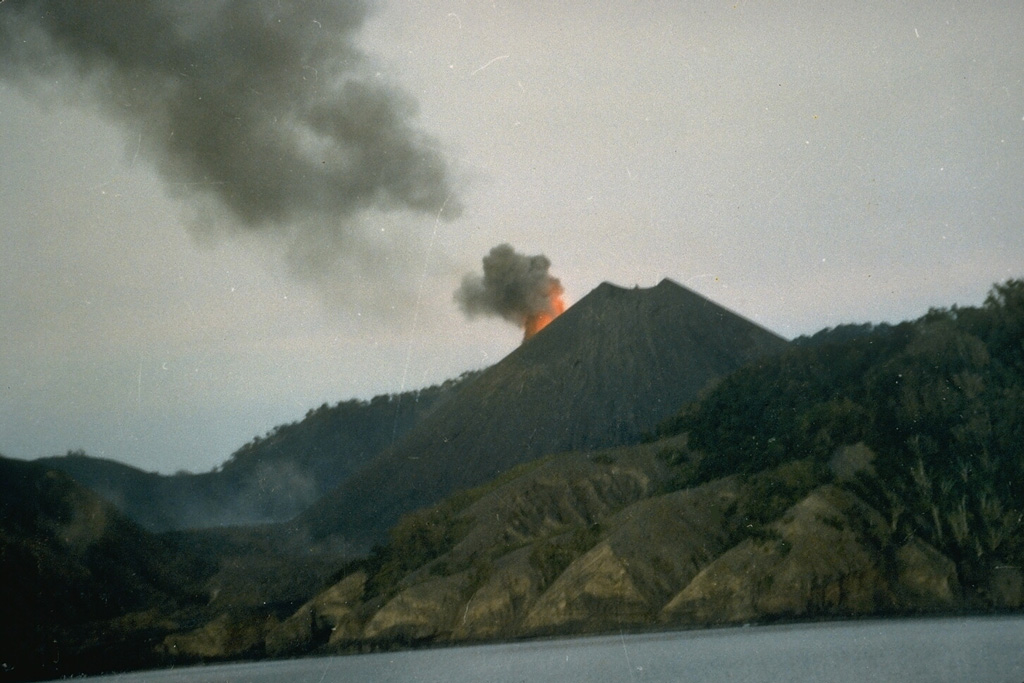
(265, 109)
(514, 286)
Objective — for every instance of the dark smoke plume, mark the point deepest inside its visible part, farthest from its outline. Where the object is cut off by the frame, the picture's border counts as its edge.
(267, 108)
(514, 286)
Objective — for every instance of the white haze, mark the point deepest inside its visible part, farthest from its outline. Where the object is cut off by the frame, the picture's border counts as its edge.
(802, 164)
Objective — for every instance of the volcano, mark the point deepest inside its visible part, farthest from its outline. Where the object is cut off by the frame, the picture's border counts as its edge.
(604, 373)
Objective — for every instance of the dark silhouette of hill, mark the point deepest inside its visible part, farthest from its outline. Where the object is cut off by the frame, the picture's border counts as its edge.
(271, 478)
(71, 560)
(604, 373)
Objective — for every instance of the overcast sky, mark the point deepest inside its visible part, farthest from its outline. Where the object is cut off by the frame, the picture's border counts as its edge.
(201, 240)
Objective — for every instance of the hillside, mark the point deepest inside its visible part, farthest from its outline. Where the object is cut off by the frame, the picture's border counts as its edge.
(601, 542)
(82, 584)
(938, 399)
(271, 478)
(604, 373)
(873, 474)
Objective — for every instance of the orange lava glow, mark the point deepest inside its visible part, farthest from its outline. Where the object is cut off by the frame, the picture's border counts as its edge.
(537, 322)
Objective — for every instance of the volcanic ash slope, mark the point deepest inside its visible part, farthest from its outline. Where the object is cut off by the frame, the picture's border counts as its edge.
(602, 374)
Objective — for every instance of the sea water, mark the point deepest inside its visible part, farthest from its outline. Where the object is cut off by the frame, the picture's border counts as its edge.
(973, 649)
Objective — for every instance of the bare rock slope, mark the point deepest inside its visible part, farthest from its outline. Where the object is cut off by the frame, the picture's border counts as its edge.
(584, 543)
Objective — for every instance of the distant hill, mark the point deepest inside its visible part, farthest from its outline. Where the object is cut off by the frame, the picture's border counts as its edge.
(72, 561)
(604, 373)
(270, 479)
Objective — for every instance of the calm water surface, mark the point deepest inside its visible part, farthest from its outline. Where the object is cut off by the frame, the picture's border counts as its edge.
(975, 649)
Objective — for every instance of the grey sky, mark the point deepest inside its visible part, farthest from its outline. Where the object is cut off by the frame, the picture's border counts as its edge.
(803, 164)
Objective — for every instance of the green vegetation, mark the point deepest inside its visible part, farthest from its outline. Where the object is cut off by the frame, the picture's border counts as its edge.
(418, 538)
(354, 425)
(939, 399)
(551, 556)
(771, 492)
(422, 536)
